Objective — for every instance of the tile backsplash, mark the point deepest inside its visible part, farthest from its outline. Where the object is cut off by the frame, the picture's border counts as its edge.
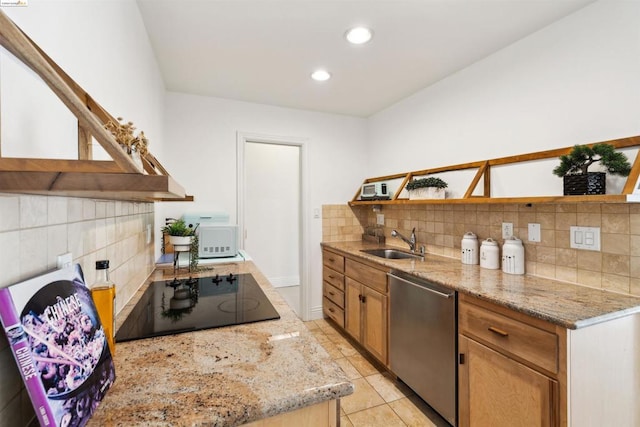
(441, 227)
(34, 230)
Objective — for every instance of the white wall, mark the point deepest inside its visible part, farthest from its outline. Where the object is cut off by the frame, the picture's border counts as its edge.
(200, 152)
(110, 57)
(103, 46)
(575, 81)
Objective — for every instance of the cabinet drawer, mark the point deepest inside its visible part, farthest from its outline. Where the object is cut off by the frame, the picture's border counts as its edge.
(372, 277)
(335, 295)
(333, 311)
(333, 260)
(508, 335)
(333, 277)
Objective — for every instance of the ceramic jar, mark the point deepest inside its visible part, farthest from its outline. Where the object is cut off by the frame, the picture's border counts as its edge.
(513, 256)
(490, 254)
(470, 251)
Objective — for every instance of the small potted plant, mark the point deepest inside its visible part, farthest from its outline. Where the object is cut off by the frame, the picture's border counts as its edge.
(180, 234)
(426, 188)
(574, 167)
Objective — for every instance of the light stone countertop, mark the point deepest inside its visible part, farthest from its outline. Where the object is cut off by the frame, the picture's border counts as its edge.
(565, 304)
(220, 377)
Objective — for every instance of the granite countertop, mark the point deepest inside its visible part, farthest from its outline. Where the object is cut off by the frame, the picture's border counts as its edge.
(568, 305)
(220, 377)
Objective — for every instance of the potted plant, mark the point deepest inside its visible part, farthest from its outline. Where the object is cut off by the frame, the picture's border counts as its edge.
(426, 188)
(180, 234)
(574, 167)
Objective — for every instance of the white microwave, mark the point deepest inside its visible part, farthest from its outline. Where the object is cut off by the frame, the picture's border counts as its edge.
(217, 241)
(374, 191)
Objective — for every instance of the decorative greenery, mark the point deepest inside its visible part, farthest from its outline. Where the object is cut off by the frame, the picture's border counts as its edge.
(179, 228)
(125, 136)
(426, 182)
(193, 254)
(581, 157)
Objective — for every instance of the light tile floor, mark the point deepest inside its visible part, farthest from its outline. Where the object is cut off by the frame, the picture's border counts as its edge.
(379, 399)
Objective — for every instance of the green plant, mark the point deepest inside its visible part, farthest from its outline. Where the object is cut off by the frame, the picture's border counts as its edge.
(193, 254)
(179, 228)
(426, 182)
(582, 156)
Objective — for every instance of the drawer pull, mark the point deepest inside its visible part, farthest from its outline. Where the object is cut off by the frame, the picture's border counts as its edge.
(331, 293)
(331, 310)
(331, 277)
(498, 331)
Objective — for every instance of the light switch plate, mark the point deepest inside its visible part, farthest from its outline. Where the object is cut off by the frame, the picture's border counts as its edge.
(585, 238)
(533, 233)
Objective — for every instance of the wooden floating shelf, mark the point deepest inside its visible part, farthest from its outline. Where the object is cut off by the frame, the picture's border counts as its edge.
(483, 171)
(604, 198)
(120, 179)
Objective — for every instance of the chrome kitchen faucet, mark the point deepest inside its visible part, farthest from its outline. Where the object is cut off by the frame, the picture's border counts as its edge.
(411, 241)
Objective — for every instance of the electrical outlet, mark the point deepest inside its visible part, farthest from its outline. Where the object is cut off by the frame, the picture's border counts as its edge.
(534, 233)
(507, 230)
(64, 260)
(380, 219)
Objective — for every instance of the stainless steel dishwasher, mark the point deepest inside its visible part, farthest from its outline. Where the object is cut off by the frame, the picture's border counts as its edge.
(423, 340)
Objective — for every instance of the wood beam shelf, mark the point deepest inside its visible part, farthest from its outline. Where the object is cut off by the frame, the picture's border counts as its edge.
(121, 178)
(484, 172)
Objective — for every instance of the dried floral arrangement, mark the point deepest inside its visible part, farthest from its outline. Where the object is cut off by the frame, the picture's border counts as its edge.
(124, 132)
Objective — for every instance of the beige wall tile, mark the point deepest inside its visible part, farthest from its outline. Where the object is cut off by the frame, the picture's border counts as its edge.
(441, 228)
(616, 283)
(615, 223)
(615, 244)
(590, 278)
(565, 220)
(567, 257)
(589, 260)
(615, 264)
(566, 274)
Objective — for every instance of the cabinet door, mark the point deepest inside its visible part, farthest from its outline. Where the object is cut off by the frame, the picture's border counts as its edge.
(374, 315)
(352, 313)
(497, 391)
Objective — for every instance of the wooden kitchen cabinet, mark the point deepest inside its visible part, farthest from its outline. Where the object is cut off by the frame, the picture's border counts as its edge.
(509, 368)
(333, 295)
(498, 391)
(355, 297)
(366, 307)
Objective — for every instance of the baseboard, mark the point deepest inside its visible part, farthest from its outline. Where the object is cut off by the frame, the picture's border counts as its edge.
(316, 313)
(284, 282)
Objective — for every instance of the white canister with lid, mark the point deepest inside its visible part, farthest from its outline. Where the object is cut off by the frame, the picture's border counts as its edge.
(470, 250)
(490, 254)
(513, 256)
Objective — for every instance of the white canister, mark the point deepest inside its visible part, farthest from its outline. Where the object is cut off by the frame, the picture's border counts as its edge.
(513, 256)
(490, 254)
(470, 250)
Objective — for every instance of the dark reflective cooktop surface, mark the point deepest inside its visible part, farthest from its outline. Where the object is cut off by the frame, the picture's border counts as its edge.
(173, 307)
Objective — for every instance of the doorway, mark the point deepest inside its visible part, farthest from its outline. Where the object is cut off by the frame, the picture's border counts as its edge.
(270, 206)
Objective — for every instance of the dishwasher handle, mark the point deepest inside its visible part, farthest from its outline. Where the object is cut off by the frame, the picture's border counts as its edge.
(438, 293)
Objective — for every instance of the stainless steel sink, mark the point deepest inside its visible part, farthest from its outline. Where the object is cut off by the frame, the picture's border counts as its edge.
(391, 254)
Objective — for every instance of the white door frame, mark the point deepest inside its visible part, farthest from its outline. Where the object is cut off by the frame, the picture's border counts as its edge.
(242, 138)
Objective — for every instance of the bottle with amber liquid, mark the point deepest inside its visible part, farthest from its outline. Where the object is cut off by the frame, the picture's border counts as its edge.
(103, 293)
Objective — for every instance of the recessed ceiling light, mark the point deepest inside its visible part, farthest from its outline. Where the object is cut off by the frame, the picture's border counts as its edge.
(359, 35)
(321, 75)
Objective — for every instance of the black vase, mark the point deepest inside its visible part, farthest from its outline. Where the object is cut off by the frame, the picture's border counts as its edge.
(591, 183)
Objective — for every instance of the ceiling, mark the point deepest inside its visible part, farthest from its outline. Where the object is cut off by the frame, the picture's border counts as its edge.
(263, 51)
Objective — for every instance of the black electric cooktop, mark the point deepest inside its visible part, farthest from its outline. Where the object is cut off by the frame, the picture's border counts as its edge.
(177, 306)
